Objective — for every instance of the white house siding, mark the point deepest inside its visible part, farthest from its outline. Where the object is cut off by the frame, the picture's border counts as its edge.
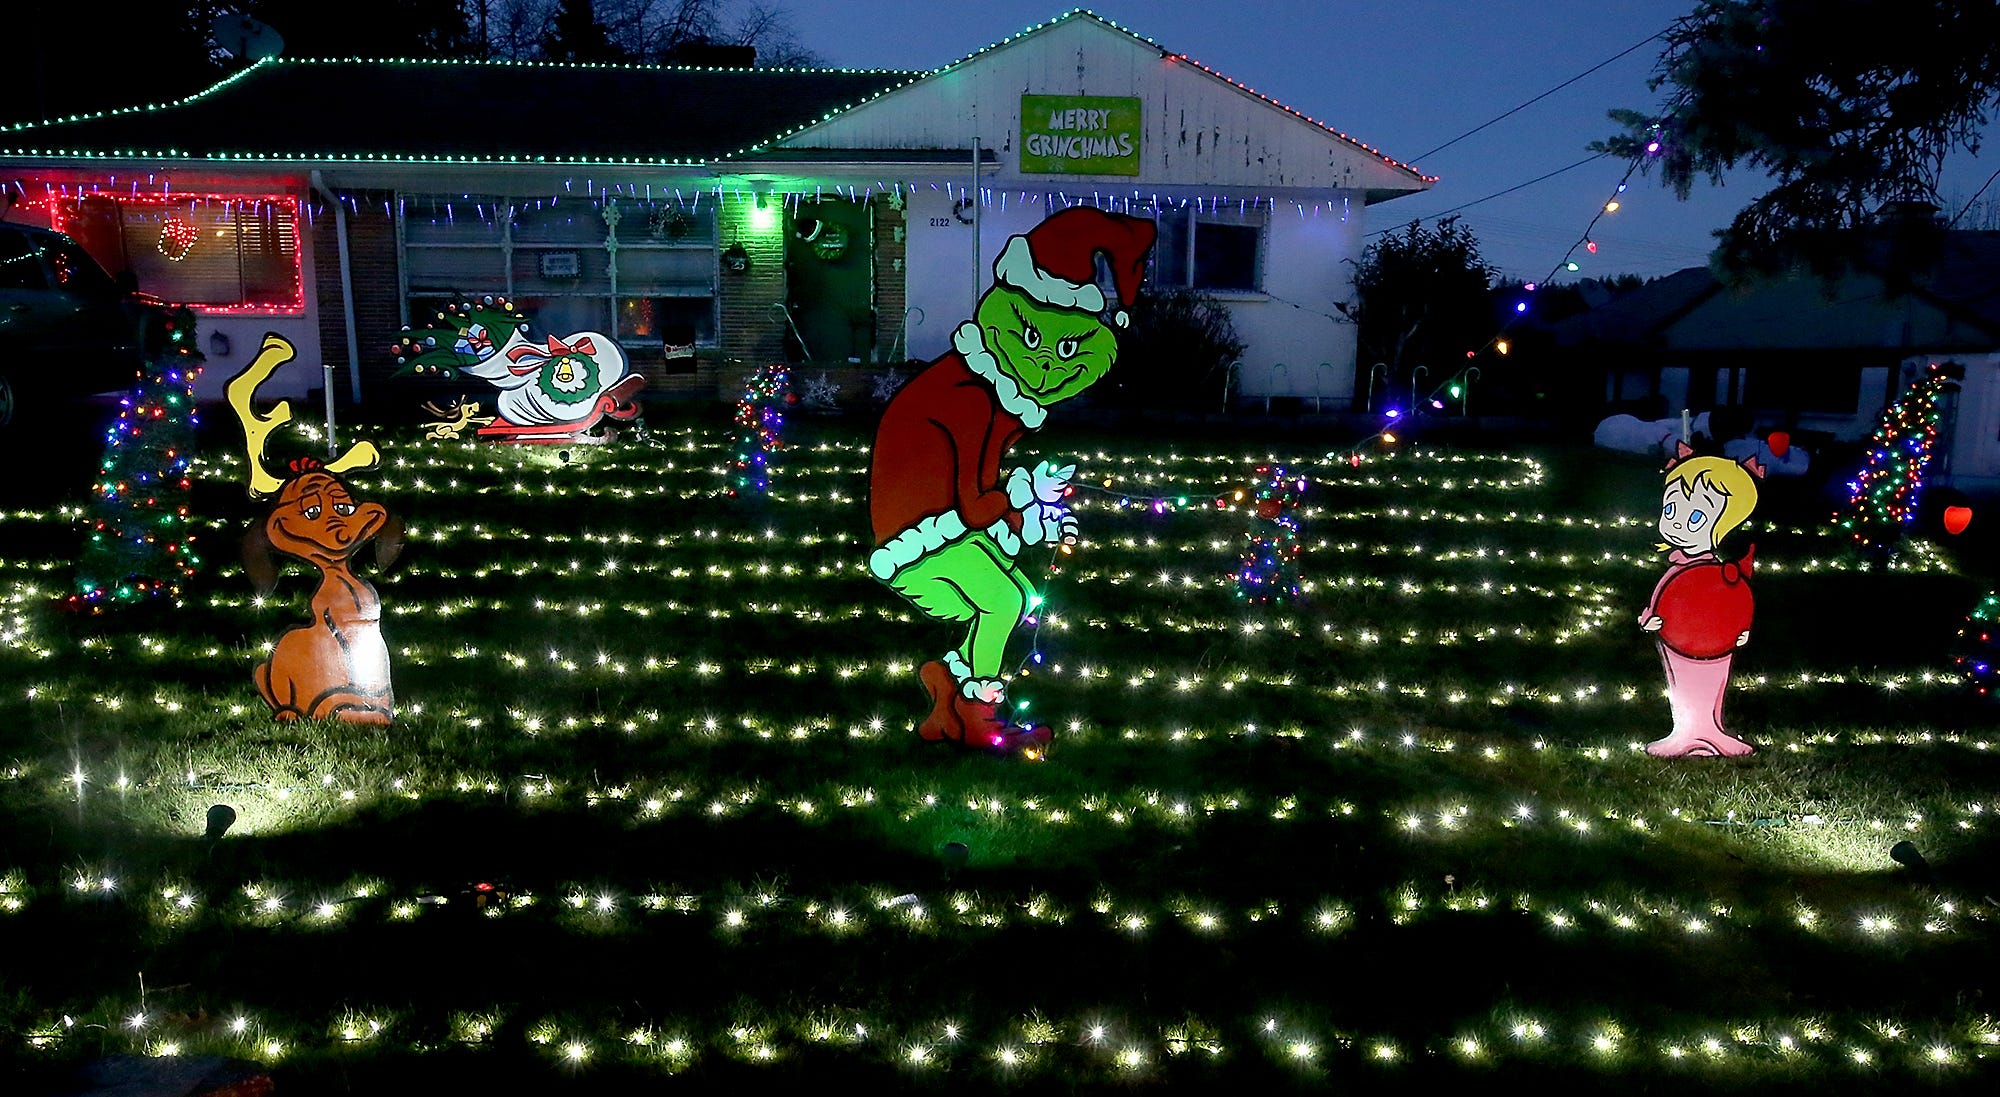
(1975, 437)
(1203, 140)
(942, 281)
(1299, 345)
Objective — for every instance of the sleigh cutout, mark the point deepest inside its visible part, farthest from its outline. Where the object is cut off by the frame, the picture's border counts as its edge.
(614, 404)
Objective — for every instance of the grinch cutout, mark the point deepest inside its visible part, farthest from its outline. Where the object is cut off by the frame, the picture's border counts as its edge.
(1701, 609)
(551, 390)
(336, 666)
(951, 534)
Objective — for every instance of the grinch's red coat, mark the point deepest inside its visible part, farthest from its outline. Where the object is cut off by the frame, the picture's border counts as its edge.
(938, 450)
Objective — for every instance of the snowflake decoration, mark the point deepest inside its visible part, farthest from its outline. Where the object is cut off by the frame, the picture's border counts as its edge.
(885, 385)
(819, 392)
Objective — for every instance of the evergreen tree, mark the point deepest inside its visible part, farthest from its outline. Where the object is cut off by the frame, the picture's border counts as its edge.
(575, 34)
(1882, 497)
(1269, 568)
(1422, 299)
(760, 425)
(138, 545)
(1978, 655)
(1849, 106)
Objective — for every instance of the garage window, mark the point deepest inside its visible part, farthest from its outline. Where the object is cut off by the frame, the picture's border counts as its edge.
(652, 283)
(215, 253)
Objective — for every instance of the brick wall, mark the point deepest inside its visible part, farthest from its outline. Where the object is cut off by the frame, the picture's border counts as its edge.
(750, 335)
(371, 244)
(891, 287)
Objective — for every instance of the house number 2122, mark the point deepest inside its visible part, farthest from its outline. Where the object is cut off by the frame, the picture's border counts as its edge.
(940, 222)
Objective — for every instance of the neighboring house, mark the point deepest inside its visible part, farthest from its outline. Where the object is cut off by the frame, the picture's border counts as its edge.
(1806, 354)
(691, 211)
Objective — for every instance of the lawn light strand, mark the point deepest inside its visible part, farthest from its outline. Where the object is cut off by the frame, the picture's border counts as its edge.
(748, 916)
(1111, 1042)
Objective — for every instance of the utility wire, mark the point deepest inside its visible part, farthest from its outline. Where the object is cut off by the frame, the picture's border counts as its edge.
(1539, 98)
(1509, 190)
(1970, 202)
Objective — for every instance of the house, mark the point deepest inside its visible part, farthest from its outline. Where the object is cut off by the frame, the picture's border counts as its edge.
(711, 219)
(1809, 354)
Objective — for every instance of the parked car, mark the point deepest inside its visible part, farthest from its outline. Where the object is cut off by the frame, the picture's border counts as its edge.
(66, 327)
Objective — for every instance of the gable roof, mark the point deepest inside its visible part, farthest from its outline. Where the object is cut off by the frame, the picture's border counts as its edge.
(1635, 316)
(1691, 310)
(309, 109)
(1087, 16)
(435, 111)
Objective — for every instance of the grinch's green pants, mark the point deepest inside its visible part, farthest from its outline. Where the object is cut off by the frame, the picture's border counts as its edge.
(971, 580)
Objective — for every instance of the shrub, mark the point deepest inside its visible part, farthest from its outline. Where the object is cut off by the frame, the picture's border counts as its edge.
(1175, 354)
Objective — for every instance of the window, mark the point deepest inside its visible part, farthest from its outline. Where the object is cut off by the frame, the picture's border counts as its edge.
(212, 252)
(1225, 255)
(676, 325)
(655, 289)
(1209, 249)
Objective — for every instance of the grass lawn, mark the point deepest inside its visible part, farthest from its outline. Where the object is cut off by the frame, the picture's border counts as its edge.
(652, 813)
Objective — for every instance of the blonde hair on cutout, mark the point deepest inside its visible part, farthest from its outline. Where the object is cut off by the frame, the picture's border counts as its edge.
(1726, 478)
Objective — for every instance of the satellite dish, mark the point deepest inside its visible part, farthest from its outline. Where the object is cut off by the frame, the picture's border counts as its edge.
(244, 37)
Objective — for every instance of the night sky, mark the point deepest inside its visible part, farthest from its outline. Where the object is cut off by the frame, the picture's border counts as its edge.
(1406, 76)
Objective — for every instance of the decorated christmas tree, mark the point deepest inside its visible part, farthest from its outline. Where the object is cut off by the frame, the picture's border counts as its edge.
(1269, 569)
(1882, 497)
(138, 545)
(760, 422)
(1978, 652)
(464, 332)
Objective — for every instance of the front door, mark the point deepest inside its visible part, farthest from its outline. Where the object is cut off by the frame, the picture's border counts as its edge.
(830, 280)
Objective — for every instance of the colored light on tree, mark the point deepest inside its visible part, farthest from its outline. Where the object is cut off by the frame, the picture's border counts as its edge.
(1269, 568)
(760, 423)
(1978, 652)
(137, 546)
(1882, 497)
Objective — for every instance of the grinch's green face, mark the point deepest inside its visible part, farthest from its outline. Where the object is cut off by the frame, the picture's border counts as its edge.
(1052, 353)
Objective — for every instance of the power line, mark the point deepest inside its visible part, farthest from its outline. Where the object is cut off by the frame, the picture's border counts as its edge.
(1509, 190)
(1539, 98)
(1603, 208)
(1975, 198)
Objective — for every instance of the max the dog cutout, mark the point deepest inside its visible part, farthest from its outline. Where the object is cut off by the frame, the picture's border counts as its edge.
(336, 666)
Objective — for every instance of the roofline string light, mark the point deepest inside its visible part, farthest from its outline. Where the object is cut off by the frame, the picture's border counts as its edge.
(915, 76)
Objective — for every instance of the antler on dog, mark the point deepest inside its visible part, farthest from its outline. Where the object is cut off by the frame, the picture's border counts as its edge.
(257, 428)
(336, 665)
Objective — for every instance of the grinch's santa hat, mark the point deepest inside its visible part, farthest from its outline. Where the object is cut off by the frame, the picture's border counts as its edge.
(1056, 261)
